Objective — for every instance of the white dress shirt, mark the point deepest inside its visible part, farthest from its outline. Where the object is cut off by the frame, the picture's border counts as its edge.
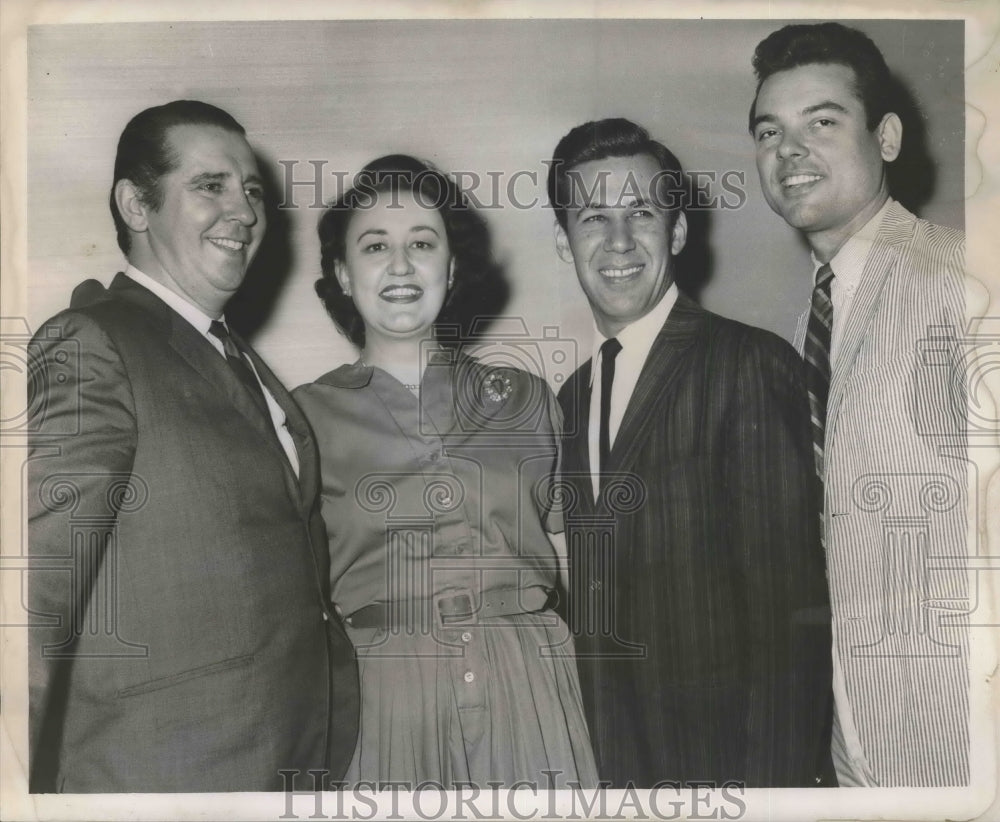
(202, 322)
(636, 341)
(848, 265)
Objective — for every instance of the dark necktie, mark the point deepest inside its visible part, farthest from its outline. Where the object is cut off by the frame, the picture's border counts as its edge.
(817, 359)
(241, 367)
(609, 350)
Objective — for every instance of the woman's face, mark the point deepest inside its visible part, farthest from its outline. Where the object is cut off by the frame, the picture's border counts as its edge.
(397, 266)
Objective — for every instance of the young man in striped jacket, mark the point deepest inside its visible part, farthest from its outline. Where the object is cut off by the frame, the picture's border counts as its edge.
(888, 405)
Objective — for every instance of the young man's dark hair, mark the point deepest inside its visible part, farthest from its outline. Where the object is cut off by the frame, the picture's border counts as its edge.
(830, 43)
(599, 140)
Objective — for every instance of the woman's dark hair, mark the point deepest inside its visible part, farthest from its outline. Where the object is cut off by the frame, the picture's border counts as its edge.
(468, 240)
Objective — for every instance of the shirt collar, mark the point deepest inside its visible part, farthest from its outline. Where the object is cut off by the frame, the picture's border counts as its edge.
(849, 262)
(638, 337)
(190, 312)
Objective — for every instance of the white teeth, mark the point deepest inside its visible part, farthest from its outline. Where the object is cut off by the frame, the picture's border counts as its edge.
(799, 179)
(620, 273)
(232, 245)
(406, 290)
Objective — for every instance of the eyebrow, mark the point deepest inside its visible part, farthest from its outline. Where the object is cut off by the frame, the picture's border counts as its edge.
(637, 202)
(825, 105)
(220, 176)
(381, 232)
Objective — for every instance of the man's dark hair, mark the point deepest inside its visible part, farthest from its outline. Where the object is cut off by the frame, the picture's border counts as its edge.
(600, 140)
(827, 43)
(145, 154)
(467, 233)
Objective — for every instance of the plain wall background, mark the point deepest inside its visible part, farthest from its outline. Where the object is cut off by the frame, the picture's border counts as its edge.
(475, 96)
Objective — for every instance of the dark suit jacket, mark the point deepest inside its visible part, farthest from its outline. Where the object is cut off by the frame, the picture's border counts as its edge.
(697, 596)
(179, 564)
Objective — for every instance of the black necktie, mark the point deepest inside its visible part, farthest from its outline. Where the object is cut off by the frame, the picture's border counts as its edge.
(817, 358)
(609, 350)
(241, 367)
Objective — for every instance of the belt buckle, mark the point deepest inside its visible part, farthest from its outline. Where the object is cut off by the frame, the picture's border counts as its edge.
(460, 601)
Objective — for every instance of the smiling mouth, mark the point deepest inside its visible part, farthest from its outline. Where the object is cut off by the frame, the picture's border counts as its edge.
(796, 180)
(228, 244)
(401, 293)
(622, 273)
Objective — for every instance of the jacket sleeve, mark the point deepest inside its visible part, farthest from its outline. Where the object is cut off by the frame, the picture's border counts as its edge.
(82, 433)
(774, 529)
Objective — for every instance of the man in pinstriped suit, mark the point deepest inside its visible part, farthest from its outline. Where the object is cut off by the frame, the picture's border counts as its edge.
(697, 590)
(891, 450)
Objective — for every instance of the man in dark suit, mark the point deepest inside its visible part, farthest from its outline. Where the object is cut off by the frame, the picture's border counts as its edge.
(179, 575)
(888, 395)
(697, 591)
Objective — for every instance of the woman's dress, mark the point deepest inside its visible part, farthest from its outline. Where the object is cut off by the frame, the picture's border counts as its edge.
(435, 508)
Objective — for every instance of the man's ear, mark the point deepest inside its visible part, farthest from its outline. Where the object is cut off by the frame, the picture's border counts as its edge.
(562, 244)
(890, 136)
(679, 234)
(130, 206)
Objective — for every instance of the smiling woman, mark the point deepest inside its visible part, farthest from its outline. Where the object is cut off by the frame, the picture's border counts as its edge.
(437, 492)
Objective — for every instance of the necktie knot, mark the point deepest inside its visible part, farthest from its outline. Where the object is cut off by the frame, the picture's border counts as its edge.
(824, 277)
(218, 330)
(610, 349)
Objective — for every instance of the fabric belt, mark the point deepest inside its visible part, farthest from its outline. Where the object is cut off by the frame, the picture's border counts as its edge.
(457, 607)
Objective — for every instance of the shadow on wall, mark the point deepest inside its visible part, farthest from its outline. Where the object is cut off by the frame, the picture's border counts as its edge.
(250, 309)
(695, 262)
(912, 176)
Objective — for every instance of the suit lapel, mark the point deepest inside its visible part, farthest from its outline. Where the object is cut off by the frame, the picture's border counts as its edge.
(575, 464)
(896, 229)
(663, 367)
(200, 355)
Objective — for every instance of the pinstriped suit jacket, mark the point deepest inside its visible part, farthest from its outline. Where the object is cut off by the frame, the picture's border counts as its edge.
(697, 595)
(896, 499)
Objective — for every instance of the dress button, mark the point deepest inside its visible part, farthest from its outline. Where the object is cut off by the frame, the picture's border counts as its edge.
(469, 676)
(466, 636)
(595, 585)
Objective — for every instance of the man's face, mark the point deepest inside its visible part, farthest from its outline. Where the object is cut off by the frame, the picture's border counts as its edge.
(619, 238)
(820, 167)
(211, 220)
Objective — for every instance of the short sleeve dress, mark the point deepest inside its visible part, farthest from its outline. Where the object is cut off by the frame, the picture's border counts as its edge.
(435, 498)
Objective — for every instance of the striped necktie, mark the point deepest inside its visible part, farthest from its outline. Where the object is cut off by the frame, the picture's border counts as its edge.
(817, 359)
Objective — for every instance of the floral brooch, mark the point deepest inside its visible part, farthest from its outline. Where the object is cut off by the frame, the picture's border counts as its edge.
(497, 386)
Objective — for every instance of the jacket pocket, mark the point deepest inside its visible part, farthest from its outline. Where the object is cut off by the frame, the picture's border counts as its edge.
(185, 676)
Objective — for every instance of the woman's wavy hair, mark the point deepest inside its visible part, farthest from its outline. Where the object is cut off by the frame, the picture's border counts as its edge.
(468, 241)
